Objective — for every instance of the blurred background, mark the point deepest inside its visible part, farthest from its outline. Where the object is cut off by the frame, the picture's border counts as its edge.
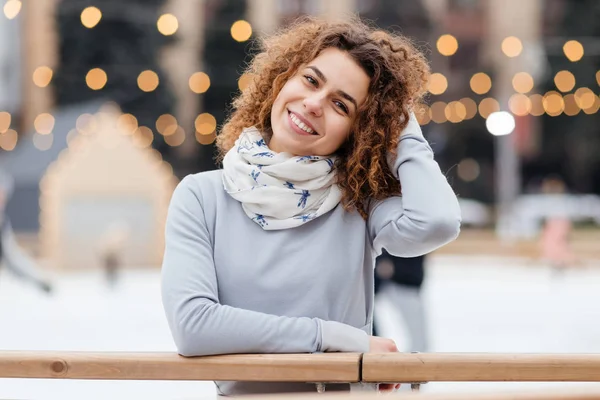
(105, 105)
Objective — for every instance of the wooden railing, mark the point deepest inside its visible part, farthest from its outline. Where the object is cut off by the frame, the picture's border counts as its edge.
(317, 368)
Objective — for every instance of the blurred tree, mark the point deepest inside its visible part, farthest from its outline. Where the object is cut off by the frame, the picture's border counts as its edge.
(224, 60)
(124, 43)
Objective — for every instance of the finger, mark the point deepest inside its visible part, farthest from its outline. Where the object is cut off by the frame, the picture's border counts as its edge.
(386, 387)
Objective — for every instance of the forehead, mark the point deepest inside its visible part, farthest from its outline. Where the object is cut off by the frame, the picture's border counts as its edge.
(343, 73)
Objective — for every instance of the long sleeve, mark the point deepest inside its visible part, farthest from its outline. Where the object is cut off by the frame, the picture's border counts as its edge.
(200, 325)
(16, 261)
(427, 215)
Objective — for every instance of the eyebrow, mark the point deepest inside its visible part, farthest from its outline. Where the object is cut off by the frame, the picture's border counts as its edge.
(340, 92)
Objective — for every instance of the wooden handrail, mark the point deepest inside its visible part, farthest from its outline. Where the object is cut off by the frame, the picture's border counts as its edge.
(332, 367)
(473, 367)
(329, 367)
(575, 394)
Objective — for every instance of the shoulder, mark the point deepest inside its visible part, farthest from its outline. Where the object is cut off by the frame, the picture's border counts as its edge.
(204, 187)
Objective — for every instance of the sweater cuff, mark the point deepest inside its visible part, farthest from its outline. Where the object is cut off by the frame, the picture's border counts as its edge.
(413, 131)
(336, 336)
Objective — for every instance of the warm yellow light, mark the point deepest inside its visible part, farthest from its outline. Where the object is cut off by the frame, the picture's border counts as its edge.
(488, 106)
(437, 83)
(12, 8)
(423, 114)
(571, 107)
(598, 77)
(244, 81)
(43, 142)
(564, 81)
(8, 140)
(86, 124)
(537, 105)
(177, 138)
(438, 112)
(199, 82)
(5, 119)
(143, 137)
(44, 123)
(127, 124)
(167, 24)
(455, 112)
(585, 98)
(468, 170)
(512, 46)
(522, 82)
(241, 30)
(593, 109)
(166, 124)
(90, 17)
(42, 76)
(481, 83)
(553, 103)
(206, 139)
(519, 104)
(205, 124)
(573, 50)
(447, 45)
(148, 81)
(470, 106)
(96, 79)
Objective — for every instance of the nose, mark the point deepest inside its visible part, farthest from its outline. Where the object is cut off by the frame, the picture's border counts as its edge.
(314, 104)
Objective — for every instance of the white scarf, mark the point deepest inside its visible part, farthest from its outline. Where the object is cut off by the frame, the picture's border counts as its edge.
(278, 190)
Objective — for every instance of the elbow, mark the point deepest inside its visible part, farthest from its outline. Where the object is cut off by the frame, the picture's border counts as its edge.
(441, 230)
(190, 334)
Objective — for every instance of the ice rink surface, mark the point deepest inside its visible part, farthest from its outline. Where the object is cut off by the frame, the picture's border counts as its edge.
(473, 305)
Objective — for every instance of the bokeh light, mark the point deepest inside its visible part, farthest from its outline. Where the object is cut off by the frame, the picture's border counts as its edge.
(481, 83)
(241, 30)
(205, 124)
(91, 16)
(199, 82)
(148, 81)
(522, 82)
(470, 107)
(12, 8)
(500, 123)
(487, 106)
(5, 120)
(512, 46)
(42, 142)
(8, 140)
(447, 45)
(564, 81)
(44, 123)
(167, 24)
(573, 50)
(96, 79)
(42, 76)
(519, 104)
(437, 83)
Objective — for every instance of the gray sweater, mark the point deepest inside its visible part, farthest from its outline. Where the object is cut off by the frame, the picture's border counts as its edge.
(228, 286)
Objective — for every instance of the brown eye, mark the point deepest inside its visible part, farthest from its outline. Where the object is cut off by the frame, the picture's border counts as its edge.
(341, 106)
(311, 80)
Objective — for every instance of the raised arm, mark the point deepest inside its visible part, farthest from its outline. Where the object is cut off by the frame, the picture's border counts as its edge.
(427, 215)
(200, 325)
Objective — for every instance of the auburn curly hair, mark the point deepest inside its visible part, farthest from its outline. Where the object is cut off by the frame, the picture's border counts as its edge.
(399, 75)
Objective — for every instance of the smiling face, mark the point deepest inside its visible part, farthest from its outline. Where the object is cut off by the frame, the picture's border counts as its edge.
(314, 111)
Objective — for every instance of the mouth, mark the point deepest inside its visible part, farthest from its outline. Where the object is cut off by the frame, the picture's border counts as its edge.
(300, 125)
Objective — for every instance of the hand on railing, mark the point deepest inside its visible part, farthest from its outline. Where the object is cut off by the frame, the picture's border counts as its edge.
(383, 345)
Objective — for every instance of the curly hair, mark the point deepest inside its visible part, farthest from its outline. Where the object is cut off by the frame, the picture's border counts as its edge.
(399, 75)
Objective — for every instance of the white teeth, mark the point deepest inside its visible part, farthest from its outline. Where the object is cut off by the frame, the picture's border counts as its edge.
(300, 124)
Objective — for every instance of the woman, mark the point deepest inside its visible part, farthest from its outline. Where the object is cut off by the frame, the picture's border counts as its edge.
(275, 253)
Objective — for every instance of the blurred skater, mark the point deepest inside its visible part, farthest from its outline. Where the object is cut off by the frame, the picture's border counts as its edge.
(399, 280)
(12, 256)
